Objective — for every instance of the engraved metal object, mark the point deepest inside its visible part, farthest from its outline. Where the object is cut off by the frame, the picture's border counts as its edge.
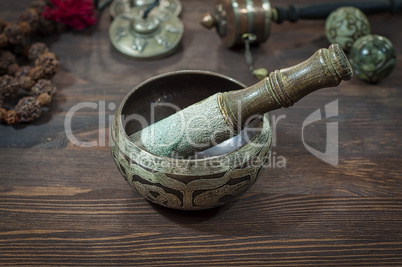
(373, 57)
(345, 25)
(157, 35)
(186, 184)
(119, 7)
(234, 18)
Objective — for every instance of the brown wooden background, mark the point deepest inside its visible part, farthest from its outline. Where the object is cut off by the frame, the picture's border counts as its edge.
(62, 204)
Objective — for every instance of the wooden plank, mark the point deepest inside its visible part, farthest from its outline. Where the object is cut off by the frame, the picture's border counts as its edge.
(62, 204)
(89, 215)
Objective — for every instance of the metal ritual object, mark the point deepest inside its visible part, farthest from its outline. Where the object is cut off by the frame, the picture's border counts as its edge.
(373, 57)
(155, 35)
(184, 184)
(119, 7)
(345, 25)
(212, 179)
(233, 18)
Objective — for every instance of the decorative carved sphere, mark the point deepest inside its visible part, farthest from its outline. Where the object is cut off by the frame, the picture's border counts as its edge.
(372, 57)
(345, 25)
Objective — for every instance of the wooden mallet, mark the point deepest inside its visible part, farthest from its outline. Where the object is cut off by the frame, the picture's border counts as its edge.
(223, 115)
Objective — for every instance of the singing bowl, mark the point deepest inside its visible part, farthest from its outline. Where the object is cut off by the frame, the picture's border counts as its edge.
(216, 177)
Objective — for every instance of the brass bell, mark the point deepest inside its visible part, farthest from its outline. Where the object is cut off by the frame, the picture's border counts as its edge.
(146, 29)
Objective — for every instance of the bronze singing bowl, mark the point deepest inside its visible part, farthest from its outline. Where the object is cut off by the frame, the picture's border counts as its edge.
(213, 179)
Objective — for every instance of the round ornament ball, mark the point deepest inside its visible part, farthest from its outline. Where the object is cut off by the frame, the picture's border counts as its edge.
(372, 57)
(345, 25)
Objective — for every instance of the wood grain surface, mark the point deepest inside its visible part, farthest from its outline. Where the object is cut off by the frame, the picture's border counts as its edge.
(61, 204)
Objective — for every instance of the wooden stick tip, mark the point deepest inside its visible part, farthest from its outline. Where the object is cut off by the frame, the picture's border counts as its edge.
(340, 62)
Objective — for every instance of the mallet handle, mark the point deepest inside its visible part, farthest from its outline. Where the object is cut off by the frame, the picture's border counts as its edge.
(282, 88)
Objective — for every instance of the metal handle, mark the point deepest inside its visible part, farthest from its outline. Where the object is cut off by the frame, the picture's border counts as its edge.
(322, 10)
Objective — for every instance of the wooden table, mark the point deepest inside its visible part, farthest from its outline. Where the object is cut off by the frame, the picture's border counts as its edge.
(61, 204)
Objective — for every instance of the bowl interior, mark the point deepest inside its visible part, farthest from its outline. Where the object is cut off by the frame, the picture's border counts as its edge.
(183, 88)
(163, 95)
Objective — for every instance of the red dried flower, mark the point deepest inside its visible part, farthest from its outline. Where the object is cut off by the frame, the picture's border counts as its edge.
(76, 14)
